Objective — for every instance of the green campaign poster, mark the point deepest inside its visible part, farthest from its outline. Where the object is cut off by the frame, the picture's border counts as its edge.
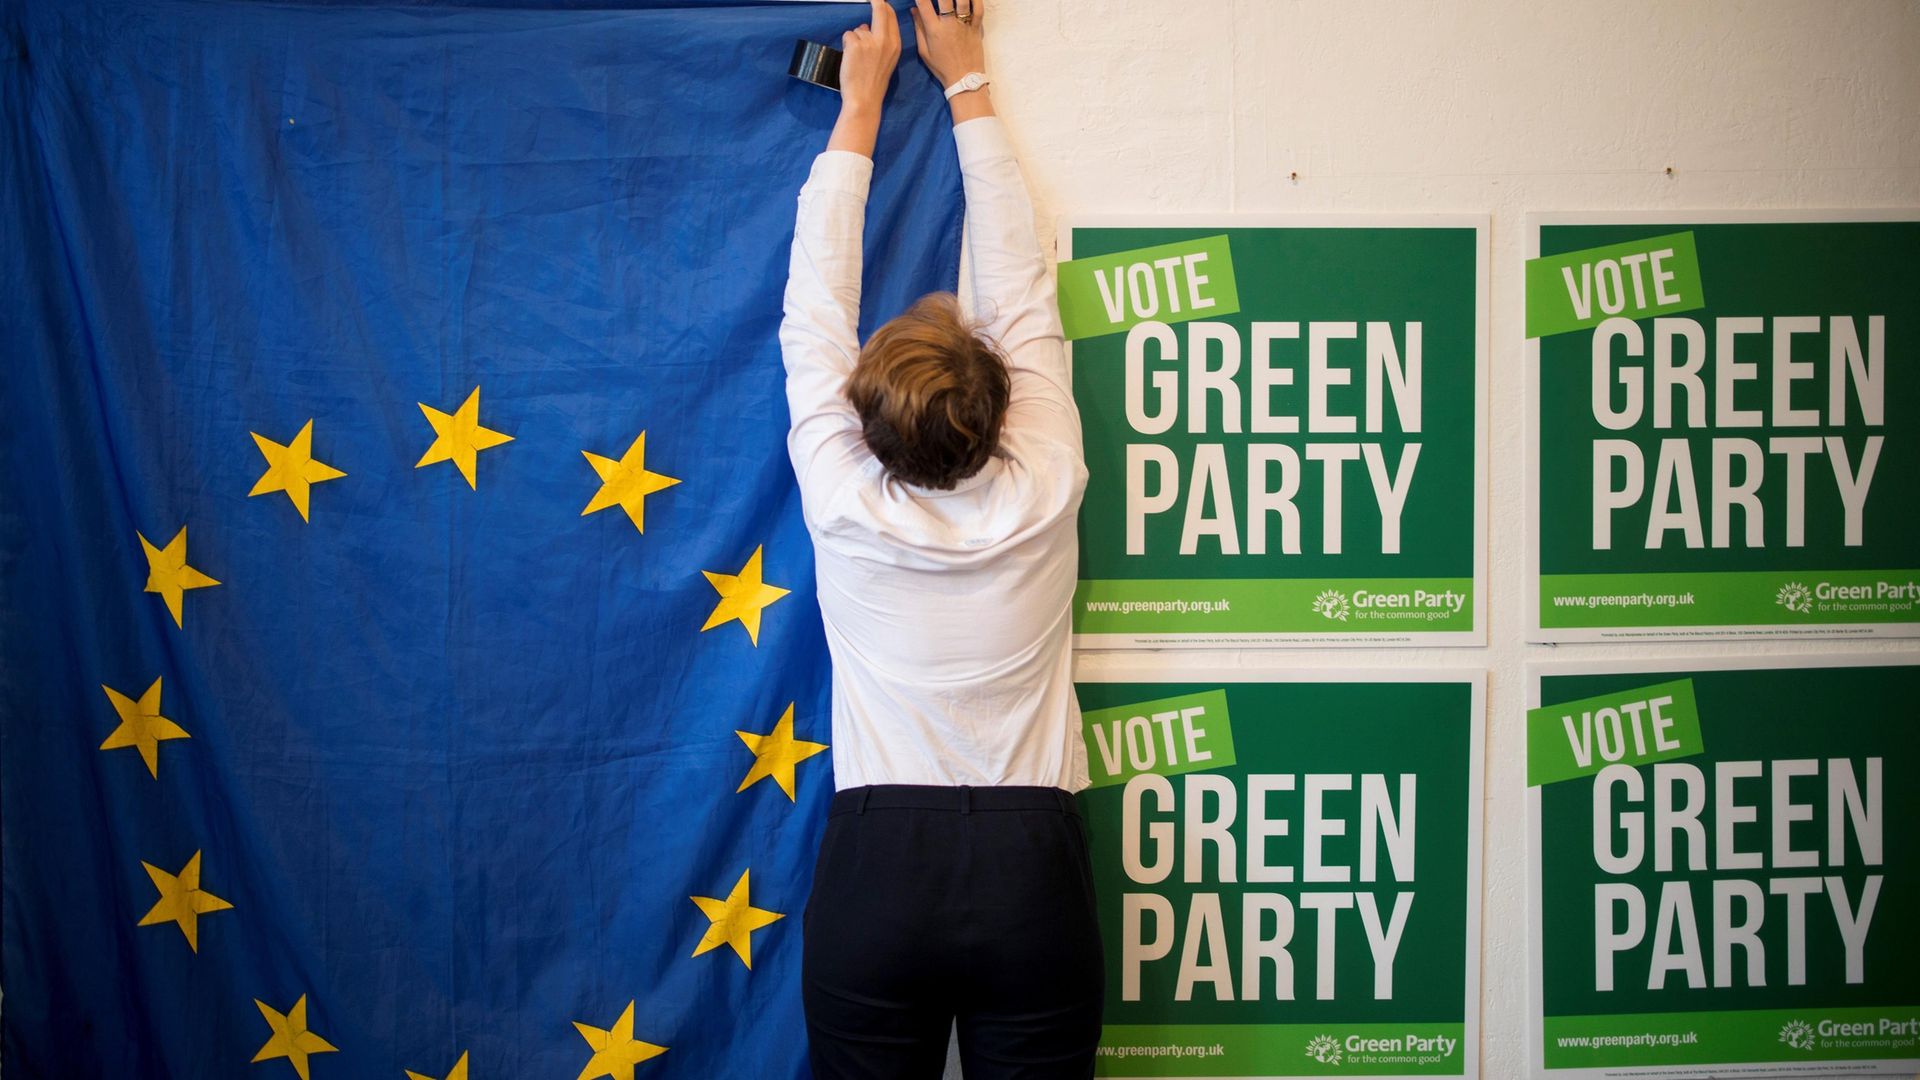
(1726, 867)
(1284, 422)
(1287, 872)
(1725, 425)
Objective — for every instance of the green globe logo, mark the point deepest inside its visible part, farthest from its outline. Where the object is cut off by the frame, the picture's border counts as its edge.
(1795, 597)
(1797, 1034)
(1324, 1049)
(1332, 604)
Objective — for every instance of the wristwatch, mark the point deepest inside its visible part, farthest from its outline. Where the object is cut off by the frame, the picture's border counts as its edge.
(972, 80)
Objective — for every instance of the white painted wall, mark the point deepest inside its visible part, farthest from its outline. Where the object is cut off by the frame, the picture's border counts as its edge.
(1500, 106)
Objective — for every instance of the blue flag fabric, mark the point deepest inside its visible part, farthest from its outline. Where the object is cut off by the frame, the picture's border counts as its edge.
(465, 749)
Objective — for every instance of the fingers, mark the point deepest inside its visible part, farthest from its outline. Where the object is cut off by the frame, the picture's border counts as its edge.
(920, 28)
(886, 22)
(963, 8)
(920, 39)
(923, 13)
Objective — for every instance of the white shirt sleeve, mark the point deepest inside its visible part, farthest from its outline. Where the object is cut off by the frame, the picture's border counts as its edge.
(1013, 296)
(1013, 291)
(819, 337)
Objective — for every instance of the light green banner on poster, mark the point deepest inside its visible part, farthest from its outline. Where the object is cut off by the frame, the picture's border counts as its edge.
(1746, 908)
(1635, 280)
(1628, 727)
(1409, 1049)
(1734, 598)
(1785, 1036)
(1167, 737)
(1256, 605)
(1167, 283)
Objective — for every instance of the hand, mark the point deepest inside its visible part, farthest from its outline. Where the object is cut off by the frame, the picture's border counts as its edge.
(949, 47)
(872, 50)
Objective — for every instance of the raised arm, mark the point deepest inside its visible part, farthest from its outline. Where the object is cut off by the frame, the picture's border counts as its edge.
(819, 338)
(1013, 291)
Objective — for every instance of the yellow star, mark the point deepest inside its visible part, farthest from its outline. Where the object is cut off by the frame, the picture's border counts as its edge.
(459, 437)
(168, 573)
(734, 921)
(459, 1071)
(141, 725)
(291, 468)
(742, 596)
(615, 1051)
(181, 900)
(776, 754)
(626, 483)
(291, 1039)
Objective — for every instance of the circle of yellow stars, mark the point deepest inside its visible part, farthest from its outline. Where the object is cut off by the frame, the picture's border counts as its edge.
(459, 437)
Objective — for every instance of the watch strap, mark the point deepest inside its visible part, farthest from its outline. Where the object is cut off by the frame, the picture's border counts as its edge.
(972, 80)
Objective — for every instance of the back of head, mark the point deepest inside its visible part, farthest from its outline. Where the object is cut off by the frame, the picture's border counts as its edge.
(931, 393)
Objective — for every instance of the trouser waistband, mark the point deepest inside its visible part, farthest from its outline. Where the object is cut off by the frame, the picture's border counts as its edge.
(964, 798)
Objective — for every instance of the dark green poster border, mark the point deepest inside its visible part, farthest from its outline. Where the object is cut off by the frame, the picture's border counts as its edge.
(1737, 1030)
(1240, 1039)
(1232, 601)
(1812, 591)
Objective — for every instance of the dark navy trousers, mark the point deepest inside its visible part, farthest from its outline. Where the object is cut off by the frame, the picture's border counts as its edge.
(937, 904)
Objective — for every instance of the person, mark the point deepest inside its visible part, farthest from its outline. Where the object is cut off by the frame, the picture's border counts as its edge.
(940, 473)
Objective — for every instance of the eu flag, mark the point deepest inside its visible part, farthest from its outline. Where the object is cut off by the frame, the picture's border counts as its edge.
(410, 659)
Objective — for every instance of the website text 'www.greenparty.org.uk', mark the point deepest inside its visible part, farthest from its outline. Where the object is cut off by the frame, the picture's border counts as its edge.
(1642, 1038)
(1169, 1050)
(1627, 600)
(1159, 607)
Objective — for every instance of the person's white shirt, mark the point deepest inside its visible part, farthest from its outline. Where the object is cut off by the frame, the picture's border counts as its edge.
(947, 612)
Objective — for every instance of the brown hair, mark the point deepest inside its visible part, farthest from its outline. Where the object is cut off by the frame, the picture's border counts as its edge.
(931, 393)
